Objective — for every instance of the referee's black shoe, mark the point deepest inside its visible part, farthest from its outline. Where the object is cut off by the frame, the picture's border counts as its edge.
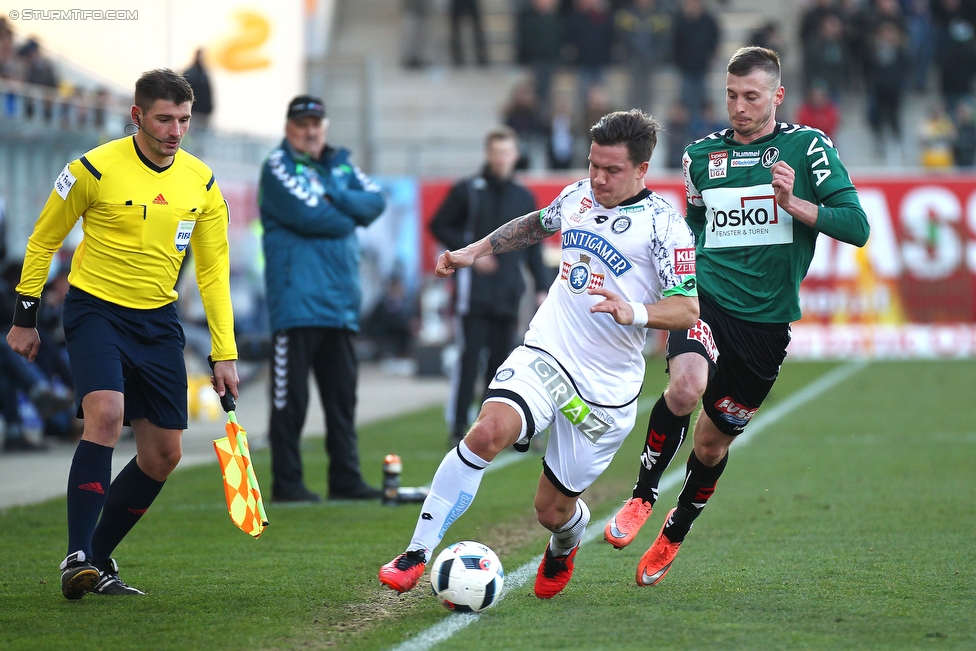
(109, 582)
(78, 575)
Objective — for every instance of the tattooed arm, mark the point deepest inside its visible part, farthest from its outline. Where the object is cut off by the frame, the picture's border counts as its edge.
(520, 233)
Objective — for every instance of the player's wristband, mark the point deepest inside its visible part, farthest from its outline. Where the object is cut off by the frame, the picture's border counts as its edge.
(640, 314)
(25, 312)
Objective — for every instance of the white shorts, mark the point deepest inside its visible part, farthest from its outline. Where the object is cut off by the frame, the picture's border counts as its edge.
(583, 438)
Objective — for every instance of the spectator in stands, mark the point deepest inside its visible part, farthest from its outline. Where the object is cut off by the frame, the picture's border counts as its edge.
(523, 116)
(391, 323)
(812, 18)
(538, 45)
(890, 11)
(964, 144)
(469, 10)
(768, 35)
(415, 34)
(199, 81)
(937, 137)
(887, 61)
(19, 375)
(643, 33)
(854, 16)
(707, 122)
(589, 34)
(695, 38)
(818, 110)
(826, 57)
(10, 67)
(39, 71)
(955, 50)
(562, 141)
(679, 135)
(921, 43)
(100, 107)
(597, 105)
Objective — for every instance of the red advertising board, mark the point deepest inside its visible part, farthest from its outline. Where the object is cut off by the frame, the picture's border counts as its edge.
(910, 292)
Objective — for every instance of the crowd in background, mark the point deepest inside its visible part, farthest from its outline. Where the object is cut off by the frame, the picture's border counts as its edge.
(35, 398)
(875, 50)
(887, 49)
(51, 99)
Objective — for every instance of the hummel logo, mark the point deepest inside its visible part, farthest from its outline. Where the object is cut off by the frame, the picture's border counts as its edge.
(95, 487)
(160, 200)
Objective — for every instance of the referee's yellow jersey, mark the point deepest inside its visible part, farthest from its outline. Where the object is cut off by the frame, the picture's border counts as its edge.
(138, 220)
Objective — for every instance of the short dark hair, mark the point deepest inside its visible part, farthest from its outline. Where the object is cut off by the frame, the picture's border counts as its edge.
(633, 128)
(162, 83)
(501, 133)
(747, 60)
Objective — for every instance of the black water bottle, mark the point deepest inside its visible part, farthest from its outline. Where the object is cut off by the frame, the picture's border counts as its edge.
(392, 466)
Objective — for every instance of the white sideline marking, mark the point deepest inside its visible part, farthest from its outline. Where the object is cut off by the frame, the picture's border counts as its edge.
(447, 627)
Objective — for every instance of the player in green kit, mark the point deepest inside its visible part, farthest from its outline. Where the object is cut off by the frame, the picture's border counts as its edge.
(758, 196)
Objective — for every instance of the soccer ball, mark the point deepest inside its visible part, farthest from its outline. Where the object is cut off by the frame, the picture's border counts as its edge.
(467, 577)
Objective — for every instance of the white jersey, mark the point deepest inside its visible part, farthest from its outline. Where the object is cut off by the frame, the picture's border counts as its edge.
(641, 252)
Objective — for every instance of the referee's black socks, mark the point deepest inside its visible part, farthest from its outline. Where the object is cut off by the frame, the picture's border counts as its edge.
(88, 483)
(665, 433)
(133, 491)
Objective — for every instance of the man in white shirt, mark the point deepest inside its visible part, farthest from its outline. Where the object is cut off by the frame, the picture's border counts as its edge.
(627, 264)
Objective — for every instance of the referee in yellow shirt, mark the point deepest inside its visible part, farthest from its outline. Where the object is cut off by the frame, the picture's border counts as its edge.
(142, 201)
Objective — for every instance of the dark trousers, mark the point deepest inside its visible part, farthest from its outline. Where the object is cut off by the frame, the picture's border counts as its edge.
(459, 9)
(329, 353)
(478, 333)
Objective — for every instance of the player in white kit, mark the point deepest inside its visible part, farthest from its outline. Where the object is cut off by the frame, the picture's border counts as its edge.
(627, 264)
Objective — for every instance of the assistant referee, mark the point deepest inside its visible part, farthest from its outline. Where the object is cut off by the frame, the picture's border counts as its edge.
(142, 202)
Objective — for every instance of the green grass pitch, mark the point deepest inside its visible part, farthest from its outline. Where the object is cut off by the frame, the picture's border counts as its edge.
(848, 523)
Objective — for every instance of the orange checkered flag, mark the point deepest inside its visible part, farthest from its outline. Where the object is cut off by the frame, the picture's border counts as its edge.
(244, 501)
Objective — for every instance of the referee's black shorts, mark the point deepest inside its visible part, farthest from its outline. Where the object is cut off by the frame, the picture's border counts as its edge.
(136, 352)
(744, 361)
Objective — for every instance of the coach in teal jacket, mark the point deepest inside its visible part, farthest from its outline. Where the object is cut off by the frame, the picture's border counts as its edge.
(312, 198)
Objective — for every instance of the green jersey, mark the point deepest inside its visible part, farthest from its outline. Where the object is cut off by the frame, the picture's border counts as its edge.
(751, 254)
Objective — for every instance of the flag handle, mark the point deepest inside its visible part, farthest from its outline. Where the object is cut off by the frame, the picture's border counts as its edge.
(227, 401)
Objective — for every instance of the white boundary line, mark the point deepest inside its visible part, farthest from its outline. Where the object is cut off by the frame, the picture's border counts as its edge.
(446, 628)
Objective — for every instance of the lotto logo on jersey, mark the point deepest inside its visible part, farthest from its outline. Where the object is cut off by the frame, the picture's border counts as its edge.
(718, 164)
(733, 412)
(684, 261)
(745, 217)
